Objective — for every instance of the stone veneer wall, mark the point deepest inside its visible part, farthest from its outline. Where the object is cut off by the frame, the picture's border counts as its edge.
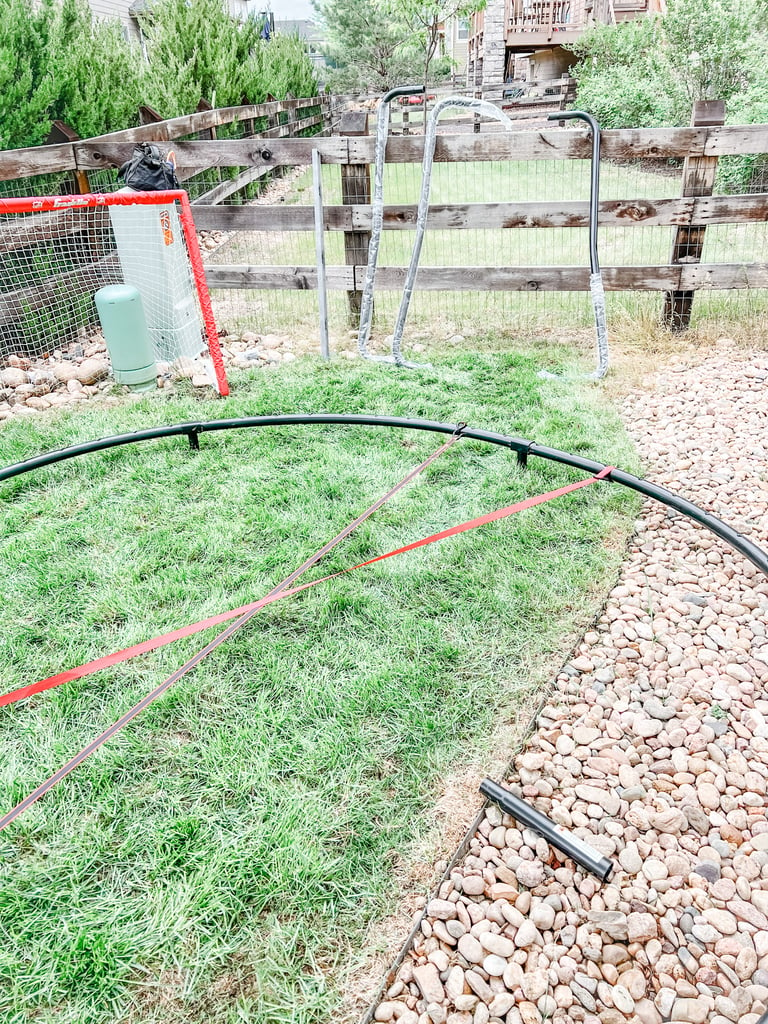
(494, 43)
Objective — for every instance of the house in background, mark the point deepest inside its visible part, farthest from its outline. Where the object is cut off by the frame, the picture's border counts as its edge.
(454, 43)
(311, 35)
(125, 11)
(532, 37)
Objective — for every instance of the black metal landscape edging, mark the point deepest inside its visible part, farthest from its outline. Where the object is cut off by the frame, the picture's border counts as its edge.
(523, 448)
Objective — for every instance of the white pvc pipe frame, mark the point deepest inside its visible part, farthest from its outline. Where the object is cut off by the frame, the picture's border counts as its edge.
(430, 140)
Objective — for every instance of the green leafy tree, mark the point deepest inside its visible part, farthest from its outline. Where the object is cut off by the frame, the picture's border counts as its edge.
(194, 49)
(623, 78)
(748, 173)
(651, 71)
(96, 75)
(59, 61)
(709, 46)
(282, 66)
(26, 87)
(199, 49)
(366, 45)
(424, 20)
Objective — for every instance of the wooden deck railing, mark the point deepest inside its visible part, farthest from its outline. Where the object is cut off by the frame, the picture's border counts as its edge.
(544, 16)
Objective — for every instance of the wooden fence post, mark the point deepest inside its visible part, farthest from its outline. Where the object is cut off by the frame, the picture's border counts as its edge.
(61, 132)
(326, 112)
(273, 119)
(355, 189)
(248, 125)
(148, 115)
(95, 219)
(698, 180)
(208, 134)
(290, 118)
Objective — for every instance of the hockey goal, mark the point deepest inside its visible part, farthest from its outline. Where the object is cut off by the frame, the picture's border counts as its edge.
(56, 252)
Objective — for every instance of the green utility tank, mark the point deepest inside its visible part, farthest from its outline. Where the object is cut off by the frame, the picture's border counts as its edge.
(125, 331)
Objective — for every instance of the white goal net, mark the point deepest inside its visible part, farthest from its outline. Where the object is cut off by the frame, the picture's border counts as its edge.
(56, 252)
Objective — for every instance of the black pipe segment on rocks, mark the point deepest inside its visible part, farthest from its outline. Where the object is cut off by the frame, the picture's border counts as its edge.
(523, 448)
(569, 844)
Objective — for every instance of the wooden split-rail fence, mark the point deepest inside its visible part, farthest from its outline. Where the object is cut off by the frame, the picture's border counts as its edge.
(696, 148)
(276, 119)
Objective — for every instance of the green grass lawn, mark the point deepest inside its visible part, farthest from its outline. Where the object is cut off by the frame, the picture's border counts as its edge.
(220, 859)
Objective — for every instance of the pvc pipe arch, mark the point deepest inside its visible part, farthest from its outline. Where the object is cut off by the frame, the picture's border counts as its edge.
(523, 448)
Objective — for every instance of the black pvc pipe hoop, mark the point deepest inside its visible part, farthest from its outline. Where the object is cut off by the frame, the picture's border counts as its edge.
(523, 448)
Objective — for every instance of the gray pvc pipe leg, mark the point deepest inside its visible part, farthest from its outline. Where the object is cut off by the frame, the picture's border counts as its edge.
(595, 278)
(483, 107)
(377, 216)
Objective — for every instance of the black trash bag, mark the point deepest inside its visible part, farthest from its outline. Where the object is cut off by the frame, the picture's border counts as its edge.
(148, 170)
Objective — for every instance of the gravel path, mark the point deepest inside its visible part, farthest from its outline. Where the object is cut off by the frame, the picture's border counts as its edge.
(654, 748)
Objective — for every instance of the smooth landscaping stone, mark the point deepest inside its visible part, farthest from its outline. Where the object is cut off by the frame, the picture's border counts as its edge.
(653, 746)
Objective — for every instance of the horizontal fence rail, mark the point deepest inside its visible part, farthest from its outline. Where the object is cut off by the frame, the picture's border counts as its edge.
(457, 216)
(284, 119)
(630, 144)
(495, 279)
(627, 144)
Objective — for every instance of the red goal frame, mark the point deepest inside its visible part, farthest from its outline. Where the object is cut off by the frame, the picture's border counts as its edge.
(47, 204)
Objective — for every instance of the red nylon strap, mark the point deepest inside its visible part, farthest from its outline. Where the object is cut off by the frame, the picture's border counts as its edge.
(216, 620)
(491, 517)
(217, 640)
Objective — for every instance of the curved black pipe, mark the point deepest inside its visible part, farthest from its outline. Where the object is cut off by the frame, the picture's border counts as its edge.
(524, 448)
(401, 90)
(594, 189)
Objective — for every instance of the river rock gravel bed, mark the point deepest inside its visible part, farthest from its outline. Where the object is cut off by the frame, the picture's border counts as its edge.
(81, 370)
(652, 747)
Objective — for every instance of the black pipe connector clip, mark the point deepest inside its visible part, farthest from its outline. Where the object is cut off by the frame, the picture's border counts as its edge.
(757, 555)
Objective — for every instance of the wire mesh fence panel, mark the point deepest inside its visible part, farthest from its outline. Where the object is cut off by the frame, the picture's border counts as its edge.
(737, 243)
(274, 311)
(238, 185)
(630, 189)
(56, 254)
(544, 238)
(631, 244)
(61, 183)
(301, 120)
